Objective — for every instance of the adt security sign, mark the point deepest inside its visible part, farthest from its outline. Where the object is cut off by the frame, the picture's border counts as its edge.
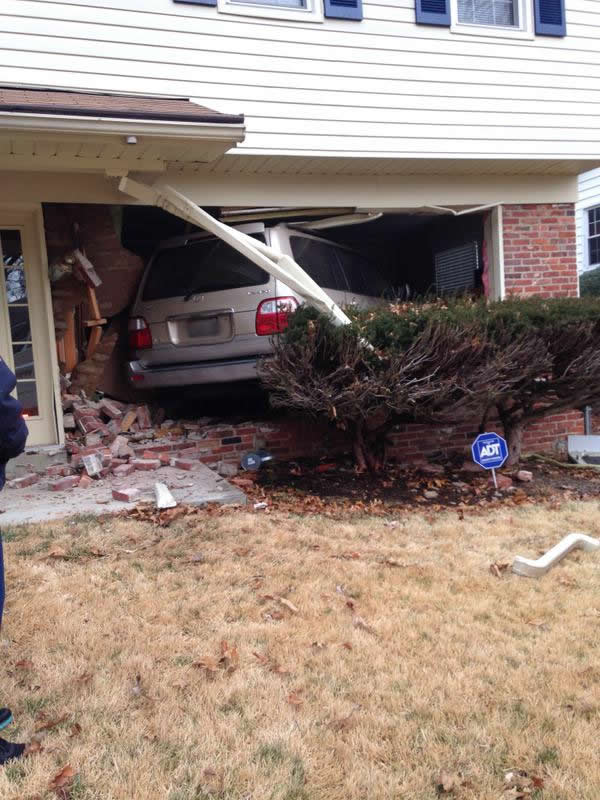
(489, 451)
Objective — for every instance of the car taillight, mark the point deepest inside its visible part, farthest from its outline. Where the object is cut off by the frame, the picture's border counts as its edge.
(140, 336)
(272, 315)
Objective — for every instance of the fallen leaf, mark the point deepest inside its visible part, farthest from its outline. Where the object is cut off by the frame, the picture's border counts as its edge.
(289, 605)
(263, 660)
(84, 678)
(24, 664)
(58, 553)
(137, 690)
(207, 663)
(62, 780)
(230, 659)
(359, 622)
(347, 645)
(52, 723)
(498, 569)
(294, 699)
(318, 645)
(393, 562)
(448, 782)
(536, 623)
(344, 723)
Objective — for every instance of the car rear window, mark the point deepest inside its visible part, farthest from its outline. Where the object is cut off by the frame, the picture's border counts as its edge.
(208, 265)
(319, 259)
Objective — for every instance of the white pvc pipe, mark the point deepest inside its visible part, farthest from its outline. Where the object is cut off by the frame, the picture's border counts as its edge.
(572, 541)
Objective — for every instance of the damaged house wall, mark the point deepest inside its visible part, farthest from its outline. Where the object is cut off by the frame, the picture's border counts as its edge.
(95, 230)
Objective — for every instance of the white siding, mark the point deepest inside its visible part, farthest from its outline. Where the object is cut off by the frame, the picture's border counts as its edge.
(588, 196)
(381, 87)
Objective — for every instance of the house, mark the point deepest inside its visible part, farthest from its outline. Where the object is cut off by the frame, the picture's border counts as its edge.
(460, 119)
(587, 214)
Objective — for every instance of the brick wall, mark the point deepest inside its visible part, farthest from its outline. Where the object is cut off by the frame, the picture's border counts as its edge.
(291, 438)
(539, 249)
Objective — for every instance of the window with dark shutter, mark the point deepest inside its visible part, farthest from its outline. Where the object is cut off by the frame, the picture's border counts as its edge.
(550, 18)
(343, 9)
(433, 12)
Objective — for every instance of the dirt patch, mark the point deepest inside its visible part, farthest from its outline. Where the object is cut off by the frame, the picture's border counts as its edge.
(336, 485)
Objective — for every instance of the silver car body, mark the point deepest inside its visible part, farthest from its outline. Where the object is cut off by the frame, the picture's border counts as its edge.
(199, 299)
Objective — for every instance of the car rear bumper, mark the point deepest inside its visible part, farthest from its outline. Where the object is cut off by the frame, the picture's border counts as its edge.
(202, 372)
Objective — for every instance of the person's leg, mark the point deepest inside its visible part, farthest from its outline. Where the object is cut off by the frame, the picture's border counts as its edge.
(8, 750)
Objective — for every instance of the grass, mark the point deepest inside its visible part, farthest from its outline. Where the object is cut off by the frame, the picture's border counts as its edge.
(361, 660)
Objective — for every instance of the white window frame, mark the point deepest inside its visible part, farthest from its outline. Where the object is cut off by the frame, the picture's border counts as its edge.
(587, 237)
(313, 12)
(523, 31)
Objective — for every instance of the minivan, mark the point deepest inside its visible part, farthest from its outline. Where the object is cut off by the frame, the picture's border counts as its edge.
(205, 314)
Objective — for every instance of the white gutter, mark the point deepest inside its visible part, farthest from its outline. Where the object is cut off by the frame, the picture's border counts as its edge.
(103, 125)
(280, 266)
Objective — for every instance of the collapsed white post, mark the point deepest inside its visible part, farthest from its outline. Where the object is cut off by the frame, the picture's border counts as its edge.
(282, 267)
(572, 541)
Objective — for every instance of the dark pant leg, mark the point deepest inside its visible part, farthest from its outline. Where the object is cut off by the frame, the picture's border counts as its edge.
(1, 581)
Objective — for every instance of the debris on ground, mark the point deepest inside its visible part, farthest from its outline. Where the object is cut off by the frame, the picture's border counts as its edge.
(534, 568)
(164, 498)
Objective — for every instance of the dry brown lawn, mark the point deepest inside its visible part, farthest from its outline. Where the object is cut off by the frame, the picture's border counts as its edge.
(302, 658)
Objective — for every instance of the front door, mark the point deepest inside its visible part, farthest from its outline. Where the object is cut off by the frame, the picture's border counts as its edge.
(26, 341)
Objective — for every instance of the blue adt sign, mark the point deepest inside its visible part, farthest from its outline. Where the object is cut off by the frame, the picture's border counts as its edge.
(489, 450)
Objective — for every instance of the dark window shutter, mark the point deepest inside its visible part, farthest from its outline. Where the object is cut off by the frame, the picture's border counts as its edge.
(343, 9)
(433, 12)
(198, 2)
(550, 18)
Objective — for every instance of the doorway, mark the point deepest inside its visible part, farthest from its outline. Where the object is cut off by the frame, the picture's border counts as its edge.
(26, 338)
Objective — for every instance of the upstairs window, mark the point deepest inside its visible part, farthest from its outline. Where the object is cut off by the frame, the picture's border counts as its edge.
(522, 19)
(500, 13)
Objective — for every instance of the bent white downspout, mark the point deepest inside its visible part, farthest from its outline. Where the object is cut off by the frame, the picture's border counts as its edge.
(533, 569)
(280, 266)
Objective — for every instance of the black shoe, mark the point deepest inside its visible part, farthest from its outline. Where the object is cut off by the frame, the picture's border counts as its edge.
(10, 750)
(6, 718)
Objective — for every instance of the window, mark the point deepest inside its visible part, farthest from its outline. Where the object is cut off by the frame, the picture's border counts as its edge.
(276, 3)
(309, 10)
(593, 253)
(319, 260)
(502, 13)
(505, 18)
(208, 265)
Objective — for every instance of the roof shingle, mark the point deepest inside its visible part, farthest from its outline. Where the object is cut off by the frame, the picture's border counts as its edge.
(80, 104)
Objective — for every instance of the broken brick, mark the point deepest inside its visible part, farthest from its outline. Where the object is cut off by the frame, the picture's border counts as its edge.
(85, 482)
(128, 421)
(111, 409)
(69, 422)
(143, 417)
(24, 480)
(145, 464)
(58, 471)
(120, 448)
(126, 495)
(184, 463)
(68, 482)
(123, 470)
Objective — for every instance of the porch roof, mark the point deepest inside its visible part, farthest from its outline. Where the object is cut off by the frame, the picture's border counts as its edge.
(81, 104)
(48, 129)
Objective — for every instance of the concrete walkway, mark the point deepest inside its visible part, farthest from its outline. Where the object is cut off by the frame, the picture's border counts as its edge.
(38, 504)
